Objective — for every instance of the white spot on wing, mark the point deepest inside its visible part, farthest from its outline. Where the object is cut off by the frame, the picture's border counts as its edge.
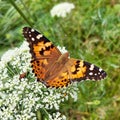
(100, 69)
(39, 36)
(100, 76)
(32, 30)
(33, 39)
(91, 67)
(90, 73)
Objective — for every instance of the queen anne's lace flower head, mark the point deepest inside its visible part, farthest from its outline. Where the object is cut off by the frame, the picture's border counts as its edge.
(62, 9)
(23, 98)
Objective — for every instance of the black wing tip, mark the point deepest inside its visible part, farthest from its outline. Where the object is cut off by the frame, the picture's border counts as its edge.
(26, 27)
(24, 31)
(104, 74)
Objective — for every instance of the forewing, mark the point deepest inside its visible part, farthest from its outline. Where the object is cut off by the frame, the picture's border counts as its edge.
(43, 52)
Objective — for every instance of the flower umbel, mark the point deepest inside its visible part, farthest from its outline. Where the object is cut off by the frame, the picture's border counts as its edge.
(22, 98)
(62, 9)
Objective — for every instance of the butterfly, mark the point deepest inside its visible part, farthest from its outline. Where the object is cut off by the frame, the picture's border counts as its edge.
(55, 69)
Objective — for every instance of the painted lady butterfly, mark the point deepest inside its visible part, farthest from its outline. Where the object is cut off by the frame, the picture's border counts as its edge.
(55, 69)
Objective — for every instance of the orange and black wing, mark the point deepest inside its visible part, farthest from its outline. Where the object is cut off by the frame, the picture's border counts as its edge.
(75, 70)
(43, 52)
(82, 70)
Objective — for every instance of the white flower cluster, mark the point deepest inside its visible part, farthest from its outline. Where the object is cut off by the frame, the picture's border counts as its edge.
(21, 99)
(57, 116)
(62, 9)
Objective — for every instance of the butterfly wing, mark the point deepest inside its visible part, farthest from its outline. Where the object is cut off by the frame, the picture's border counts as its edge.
(43, 52)
(82, 70)
(75, 70)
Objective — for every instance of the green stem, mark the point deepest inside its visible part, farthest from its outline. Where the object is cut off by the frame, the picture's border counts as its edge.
(39, 116)
(42, 114)
(20, 12)
(27, 10)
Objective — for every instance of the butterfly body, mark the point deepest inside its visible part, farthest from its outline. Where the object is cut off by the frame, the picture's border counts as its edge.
(55, 69)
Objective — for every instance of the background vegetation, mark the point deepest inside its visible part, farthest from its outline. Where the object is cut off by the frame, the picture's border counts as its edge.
(90, 32)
